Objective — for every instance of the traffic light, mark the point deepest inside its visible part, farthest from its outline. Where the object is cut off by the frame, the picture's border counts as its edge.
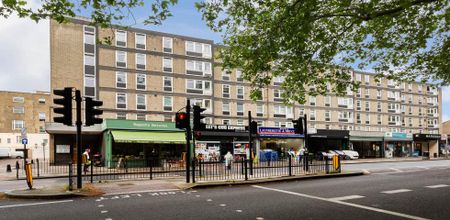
(181, 120)
(66, 108)
(298, 125)
(254, 127)
(91, 112)
(198, 124)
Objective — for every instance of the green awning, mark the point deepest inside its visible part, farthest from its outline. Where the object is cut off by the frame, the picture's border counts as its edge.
(149, 137)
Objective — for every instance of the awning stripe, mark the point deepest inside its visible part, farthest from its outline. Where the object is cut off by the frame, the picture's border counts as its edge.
(149, 137)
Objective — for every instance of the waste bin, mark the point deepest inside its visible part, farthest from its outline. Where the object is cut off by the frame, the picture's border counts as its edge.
(435, 155)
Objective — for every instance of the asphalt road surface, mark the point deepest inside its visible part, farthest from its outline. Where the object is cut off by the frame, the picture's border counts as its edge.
(418, 194)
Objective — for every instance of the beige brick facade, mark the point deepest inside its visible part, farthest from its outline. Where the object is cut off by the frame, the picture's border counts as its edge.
(397, 112)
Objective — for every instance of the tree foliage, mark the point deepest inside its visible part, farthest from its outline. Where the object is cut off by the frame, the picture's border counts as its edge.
(102, 12)
(313, 43)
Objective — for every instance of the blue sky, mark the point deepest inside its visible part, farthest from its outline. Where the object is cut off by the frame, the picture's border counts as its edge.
(25, 59)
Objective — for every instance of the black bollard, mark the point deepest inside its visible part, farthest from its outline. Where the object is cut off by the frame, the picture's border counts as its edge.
(8, 168)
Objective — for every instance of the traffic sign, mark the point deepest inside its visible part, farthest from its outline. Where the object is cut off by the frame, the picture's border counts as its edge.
(24, 141)
(23, 132)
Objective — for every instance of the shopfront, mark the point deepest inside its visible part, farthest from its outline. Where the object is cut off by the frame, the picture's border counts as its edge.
(217, 140)
(278, 141)
(398, 144)
(443, 146)
(324, 140)
(367, 144)
(428, 144)
(141, 141)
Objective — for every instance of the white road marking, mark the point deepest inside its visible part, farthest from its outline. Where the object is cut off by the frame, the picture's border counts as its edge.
(346, 197)
(104, 211)
(223, 205)
(437, 186)
(396, 170)
(108, 218)
(259, 218)
(115, 197)
(238, 210)
(344, 203)
(125, 196)
(98, 200)
(396, 191)
(33, 204)
(209, 200)
(143, 191)
(100, 206)
(421, 167)
(197, 196)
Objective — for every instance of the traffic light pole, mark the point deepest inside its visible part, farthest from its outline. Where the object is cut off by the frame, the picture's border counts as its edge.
(78, 124)
(305, 130)
(188, 138)
(250, 141)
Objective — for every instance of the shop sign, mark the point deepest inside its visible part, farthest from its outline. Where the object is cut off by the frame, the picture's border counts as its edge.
(225, 128)
(277, 132)
(139, 125)
(398, 135)
(427, 136)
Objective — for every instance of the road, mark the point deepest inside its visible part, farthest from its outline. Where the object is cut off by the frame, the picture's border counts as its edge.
(414, 194)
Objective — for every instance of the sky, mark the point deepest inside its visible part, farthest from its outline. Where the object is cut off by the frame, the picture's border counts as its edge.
(25, 51)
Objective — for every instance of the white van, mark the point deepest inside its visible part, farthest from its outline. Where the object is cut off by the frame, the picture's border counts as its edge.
(4, 152)
(16, 154)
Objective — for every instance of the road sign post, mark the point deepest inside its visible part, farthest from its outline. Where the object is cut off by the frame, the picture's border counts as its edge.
(23, 132)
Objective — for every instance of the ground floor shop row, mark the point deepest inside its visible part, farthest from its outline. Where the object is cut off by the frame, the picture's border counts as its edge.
(140, 141)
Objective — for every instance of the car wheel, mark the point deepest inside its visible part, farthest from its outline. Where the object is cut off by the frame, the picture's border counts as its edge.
(18, 157)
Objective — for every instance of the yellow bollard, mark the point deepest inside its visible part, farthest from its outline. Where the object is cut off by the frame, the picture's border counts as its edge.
(29, 173)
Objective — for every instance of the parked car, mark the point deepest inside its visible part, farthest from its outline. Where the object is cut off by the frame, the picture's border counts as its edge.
(350, 155)
(4, 152)
(323, 154)
(339, 153)
(16, 154)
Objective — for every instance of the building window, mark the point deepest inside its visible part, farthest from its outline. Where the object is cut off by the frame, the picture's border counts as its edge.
(167, 103)
(121, 80)
(367, 93)
(41, 100)
(301, 112)
(226, 122)
(141, 102)
(278, 80)
(379, 119)
(198, 49)
(226, 91)
(140, 42)
(367, 118)
(121, 100)
(141, 61)
(140, 116)
(279, 111)
(328, 101)
(41, 116)
(167, 64)
(312, 115)
(198, 68)
(226, 108)
(240, 92)
(358, 118)
(167, 44)
(379, 107)
(378, 93)
(327, 115)
(18, 99)
(198, 86)
(367, 79)
(358, 105)
(226, 74)
(367, 106)
(121, 38)
(121, 115)
(121, 59)
(167, 83)
(141, 83)
(358, 77)
(277, 95)
(18, 110)
(240, 109)
(240, 122)
(239, 75)
(312, 100)
(17, 124)
(259, 110)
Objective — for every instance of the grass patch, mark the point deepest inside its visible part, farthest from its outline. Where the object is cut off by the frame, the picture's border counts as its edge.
(90, 190)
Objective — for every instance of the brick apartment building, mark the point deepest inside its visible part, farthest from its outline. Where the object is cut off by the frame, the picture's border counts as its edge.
(148, 76)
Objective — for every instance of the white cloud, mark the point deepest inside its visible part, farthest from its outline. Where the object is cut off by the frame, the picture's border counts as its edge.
(25, 54)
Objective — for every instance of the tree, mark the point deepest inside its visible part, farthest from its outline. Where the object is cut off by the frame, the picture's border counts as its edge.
(102, 13)
(313, 43)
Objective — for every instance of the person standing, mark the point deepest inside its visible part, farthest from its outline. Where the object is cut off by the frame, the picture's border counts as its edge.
(86, 160)
(228, 160)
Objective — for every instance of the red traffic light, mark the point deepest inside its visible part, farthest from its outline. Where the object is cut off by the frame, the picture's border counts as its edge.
(181, 116)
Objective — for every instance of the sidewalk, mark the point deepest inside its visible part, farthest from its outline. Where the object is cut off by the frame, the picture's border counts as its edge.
(385, 160)
(59, 190)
